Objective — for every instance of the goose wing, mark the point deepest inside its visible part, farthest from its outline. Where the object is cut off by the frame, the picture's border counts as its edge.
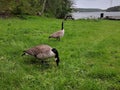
(41, 49)
(57, 34)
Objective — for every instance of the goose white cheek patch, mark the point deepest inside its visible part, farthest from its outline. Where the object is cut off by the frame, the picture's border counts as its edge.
(55, 59)
(26, 54)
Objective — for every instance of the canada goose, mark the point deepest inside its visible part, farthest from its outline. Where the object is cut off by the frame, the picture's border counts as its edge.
(43, 52)
(58, 34)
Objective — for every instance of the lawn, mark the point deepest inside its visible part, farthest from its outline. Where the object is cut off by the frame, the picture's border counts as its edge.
(89, 55)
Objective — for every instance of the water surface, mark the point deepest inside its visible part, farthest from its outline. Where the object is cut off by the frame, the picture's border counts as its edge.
(86, 15)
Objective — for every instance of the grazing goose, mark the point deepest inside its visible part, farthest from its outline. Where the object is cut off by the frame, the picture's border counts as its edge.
(43, 52)
(58, 34)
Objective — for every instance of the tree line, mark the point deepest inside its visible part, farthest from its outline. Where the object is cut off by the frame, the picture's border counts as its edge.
(115, 8)
(54, 8)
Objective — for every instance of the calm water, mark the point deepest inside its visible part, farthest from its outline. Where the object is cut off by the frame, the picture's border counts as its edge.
(85, 15)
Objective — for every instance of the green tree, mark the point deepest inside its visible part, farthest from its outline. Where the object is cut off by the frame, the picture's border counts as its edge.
(6, 6)
(56, 8)
(115, 8)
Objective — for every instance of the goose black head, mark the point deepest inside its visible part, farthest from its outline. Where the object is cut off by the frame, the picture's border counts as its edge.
(56, 56)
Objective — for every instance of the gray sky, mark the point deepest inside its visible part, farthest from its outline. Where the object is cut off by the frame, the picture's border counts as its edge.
(102, 4)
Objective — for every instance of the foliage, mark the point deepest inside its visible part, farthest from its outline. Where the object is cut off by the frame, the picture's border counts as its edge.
(89, 55)
(56, 8)
(6, 6)
(116, 8)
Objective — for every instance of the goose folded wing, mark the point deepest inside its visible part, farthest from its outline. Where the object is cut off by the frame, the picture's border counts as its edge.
(56, 34)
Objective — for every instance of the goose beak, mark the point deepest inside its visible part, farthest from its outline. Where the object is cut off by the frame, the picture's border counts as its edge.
(23, 54)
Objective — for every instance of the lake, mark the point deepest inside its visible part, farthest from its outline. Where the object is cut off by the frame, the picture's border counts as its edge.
(92, 15)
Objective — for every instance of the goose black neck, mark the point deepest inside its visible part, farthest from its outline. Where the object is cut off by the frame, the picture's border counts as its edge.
(56, 56)
(57, 61)
(62, 26)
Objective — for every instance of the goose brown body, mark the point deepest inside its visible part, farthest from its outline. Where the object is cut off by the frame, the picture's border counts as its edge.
(42, 52)
(57, 34)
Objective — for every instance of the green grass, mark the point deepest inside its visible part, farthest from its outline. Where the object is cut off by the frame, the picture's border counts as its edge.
(89, 54)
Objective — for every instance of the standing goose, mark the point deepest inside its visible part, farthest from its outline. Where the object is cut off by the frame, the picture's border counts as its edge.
(43, 52)
(58, 34)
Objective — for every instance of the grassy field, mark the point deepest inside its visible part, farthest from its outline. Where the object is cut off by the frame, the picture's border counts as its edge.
(89, 54)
